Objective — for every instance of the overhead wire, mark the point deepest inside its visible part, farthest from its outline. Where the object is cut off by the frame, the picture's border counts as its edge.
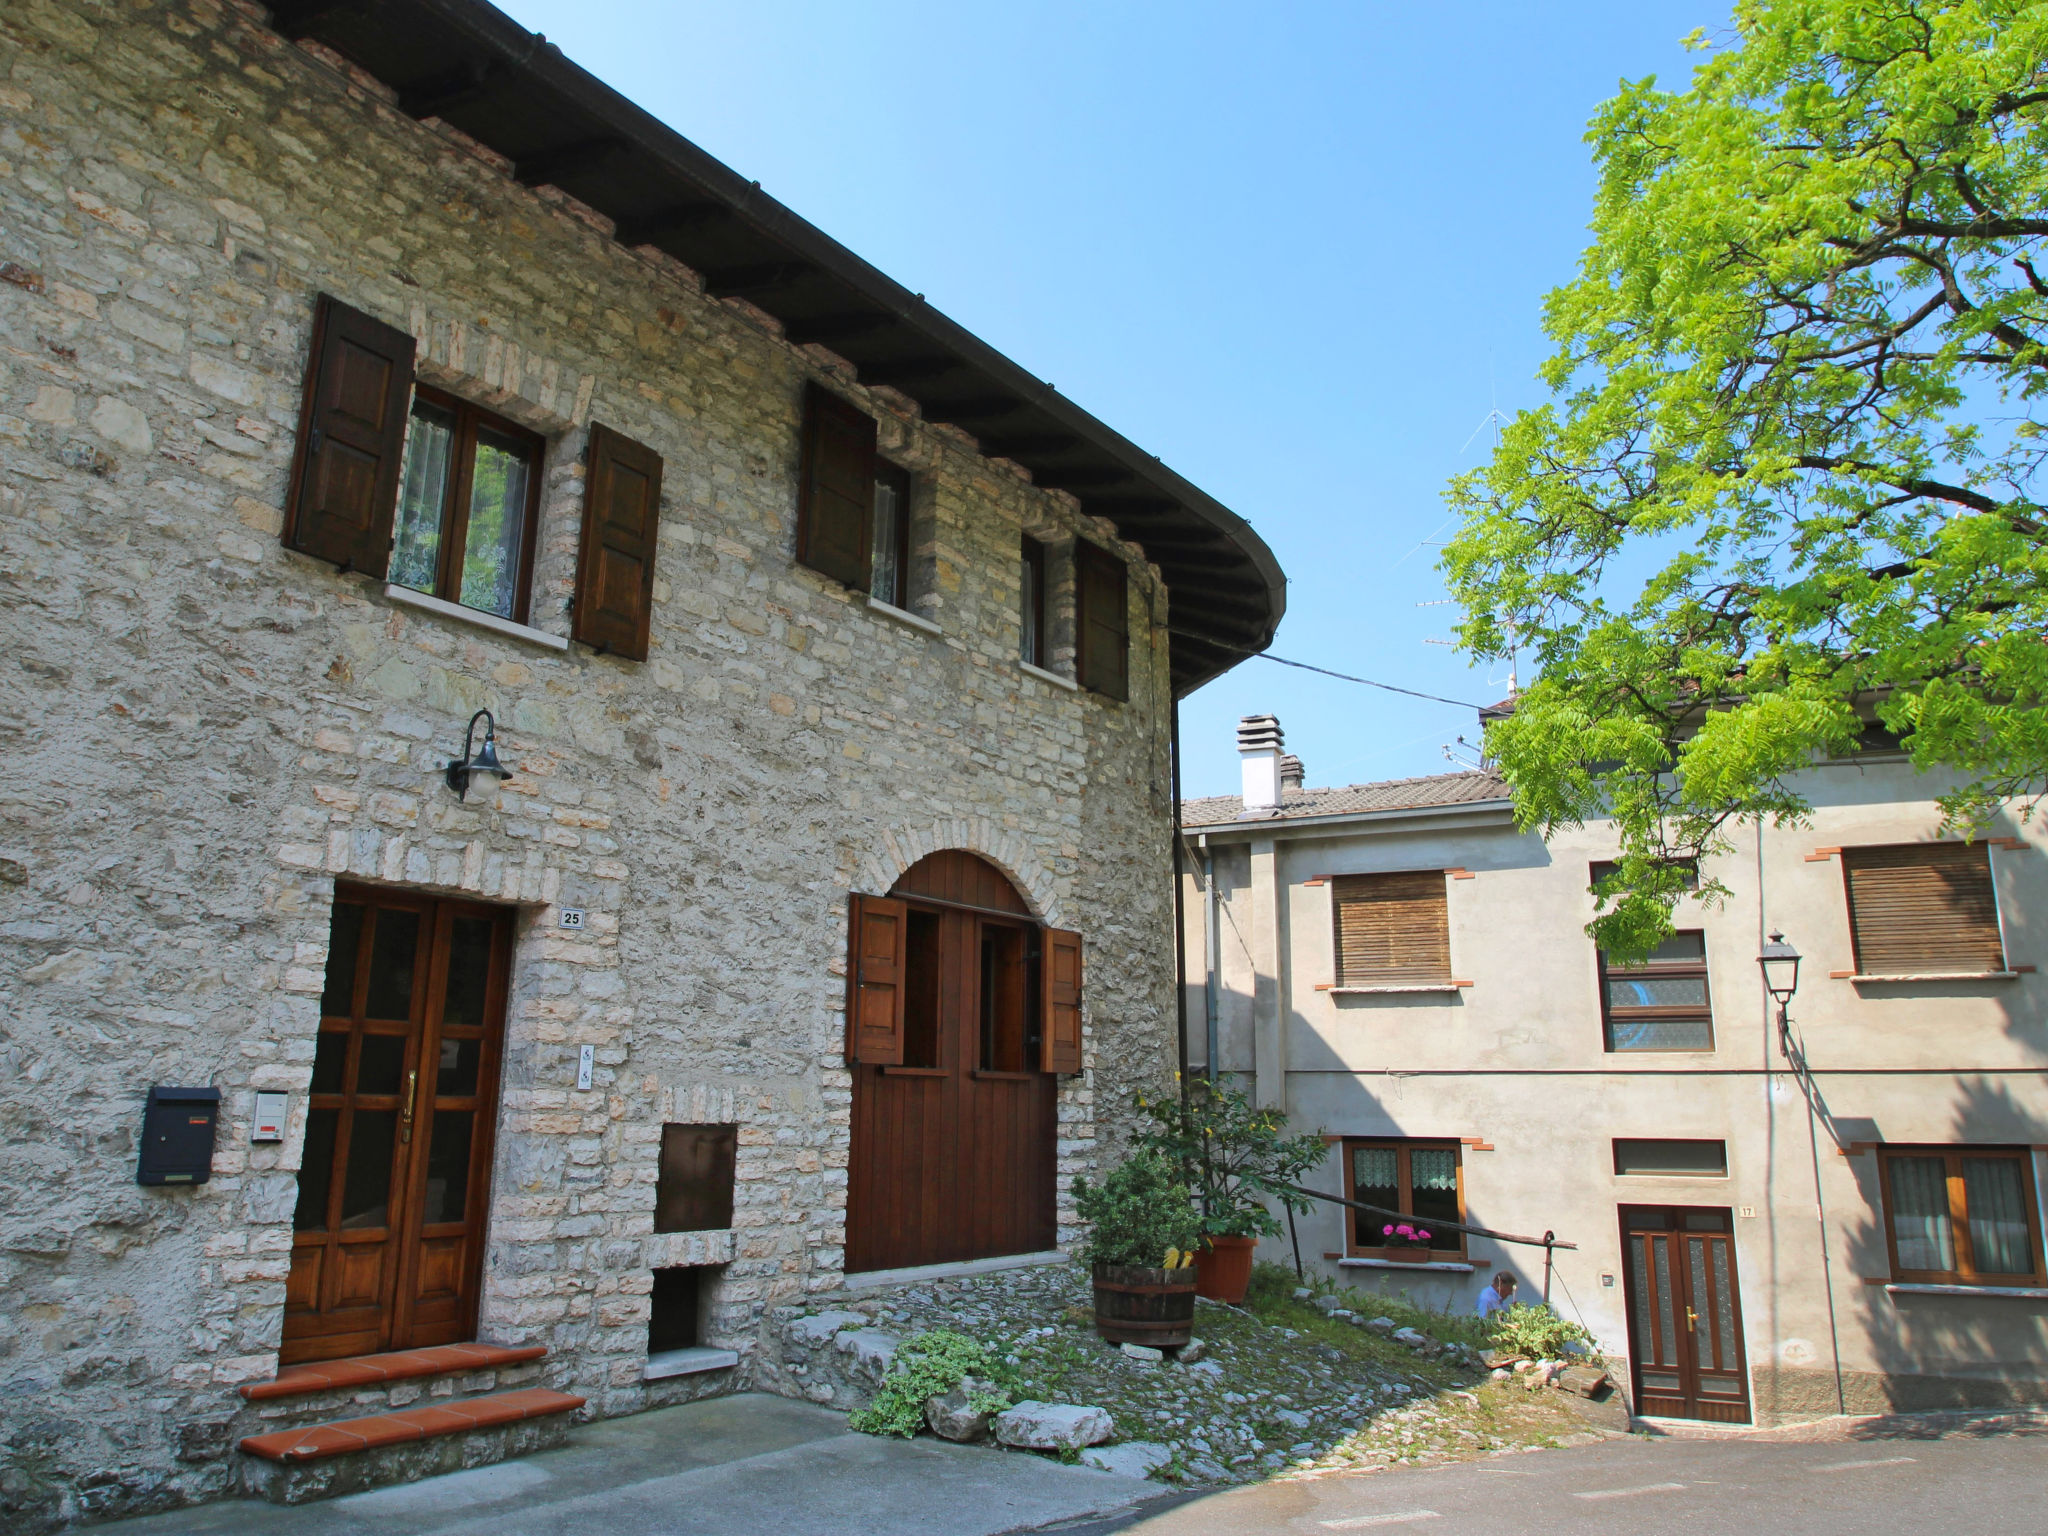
(1434, 698)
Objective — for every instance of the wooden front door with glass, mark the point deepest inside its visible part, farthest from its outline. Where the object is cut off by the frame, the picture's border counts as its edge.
(1684, 1313)
(387, 1240)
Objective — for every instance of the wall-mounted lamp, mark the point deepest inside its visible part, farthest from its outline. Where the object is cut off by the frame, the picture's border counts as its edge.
(483, 760)
(1779, 962)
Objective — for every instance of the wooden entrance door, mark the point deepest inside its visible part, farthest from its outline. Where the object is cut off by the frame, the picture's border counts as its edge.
(952, 1153)
(387, 1241)
(1684, 1313)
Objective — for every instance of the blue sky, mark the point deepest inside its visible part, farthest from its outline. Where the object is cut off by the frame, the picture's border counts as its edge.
(1295, 250)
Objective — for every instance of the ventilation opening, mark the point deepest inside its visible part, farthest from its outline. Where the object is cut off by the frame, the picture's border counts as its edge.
(677, 1321)
(1685, 1159)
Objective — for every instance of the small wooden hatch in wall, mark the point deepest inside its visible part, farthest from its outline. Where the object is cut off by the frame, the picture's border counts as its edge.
(693, 1192)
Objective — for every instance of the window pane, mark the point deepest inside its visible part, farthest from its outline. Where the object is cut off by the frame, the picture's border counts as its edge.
(1998, 1216)
(1660, 1035)
(391, 959)
(1433, 1172)
(1644, 1156)
(423, 498)
(448, 1166)
(886, 582)
(366, 1195)
(381, 1064)
(1680, 948)
(1373, 1174)
(330, 1062)
(316, 1169)
(338, 999)
(497, 524)
(1626, 990)
(456, 1077)
(1920, 1219)
(469, 969)
(1031, 638)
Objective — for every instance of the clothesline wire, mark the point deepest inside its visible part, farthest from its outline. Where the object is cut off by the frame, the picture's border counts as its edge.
(1434, 698)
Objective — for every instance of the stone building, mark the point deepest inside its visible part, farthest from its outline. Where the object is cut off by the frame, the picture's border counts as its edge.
(1401, 966)
(378, 392)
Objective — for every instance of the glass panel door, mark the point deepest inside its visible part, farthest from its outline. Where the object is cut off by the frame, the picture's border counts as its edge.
(1684, 1316)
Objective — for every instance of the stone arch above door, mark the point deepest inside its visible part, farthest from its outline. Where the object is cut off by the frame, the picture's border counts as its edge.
(900, 849)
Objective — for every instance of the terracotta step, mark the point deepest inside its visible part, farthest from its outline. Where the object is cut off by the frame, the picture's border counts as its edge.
(398, 1365)
(382, 1429)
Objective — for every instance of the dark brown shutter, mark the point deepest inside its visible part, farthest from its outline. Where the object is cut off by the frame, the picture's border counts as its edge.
(1923, 907)
(1061, 1048)
(621, 521)
(1104, 661)
(1393, 930)
(835, 505)
(874, 981)
(344, 487)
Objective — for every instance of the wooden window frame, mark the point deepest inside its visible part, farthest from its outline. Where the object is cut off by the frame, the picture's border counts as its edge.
(1402, 1146)
(1340, 886)
(1849, 857)
(1669, 970)
(899, 479)
(1035, 604)
(455, 498)
(1958, 1214)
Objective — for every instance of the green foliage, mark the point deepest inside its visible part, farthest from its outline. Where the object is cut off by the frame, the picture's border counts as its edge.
(1798, 383)
(1137, 1213)
(1234, 1157)
(1532, 1329)
(931, 1365)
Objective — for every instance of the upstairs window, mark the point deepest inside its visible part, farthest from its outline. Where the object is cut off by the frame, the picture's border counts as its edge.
(1961, 1215)
(1034, 610)
(1419, 1179)
(1393, 931)
(835, 514)
(468, 501)
(1659, 1003)
(1923, 909)
(889, 578)
(1103, 662)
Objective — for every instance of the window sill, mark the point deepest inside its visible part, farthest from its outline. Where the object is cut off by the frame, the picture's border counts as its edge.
(903, 616)
(1439, 1266)
(2012, 975)
(2017, 1292)
(687, 1362)
(1434, 986)
(407, 597)
(1049, 677)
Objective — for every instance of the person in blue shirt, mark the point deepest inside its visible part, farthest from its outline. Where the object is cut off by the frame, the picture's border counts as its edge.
(1497, 1295)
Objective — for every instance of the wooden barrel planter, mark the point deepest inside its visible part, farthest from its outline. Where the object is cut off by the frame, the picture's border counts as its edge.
(1135, 1305)
(1224, 1265)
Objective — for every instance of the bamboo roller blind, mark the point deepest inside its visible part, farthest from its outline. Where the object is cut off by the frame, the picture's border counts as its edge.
(1392, 930)
(1923, 907)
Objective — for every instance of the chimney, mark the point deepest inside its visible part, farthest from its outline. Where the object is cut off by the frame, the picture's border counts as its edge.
(1291, 773)
(1258, 747)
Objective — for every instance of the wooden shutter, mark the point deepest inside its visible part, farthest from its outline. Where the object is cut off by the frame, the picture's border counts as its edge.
(1923, 907)
(874, 981)
(344, 486)
(621, 520)
(1104, 661)
(1393, 930)
(1060, 1048)
(835, 505)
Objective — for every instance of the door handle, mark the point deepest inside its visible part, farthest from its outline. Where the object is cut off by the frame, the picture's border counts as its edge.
(1692, 1318)
(412, 1088)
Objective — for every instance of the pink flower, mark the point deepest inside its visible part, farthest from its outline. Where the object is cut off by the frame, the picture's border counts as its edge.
(1386, 1231)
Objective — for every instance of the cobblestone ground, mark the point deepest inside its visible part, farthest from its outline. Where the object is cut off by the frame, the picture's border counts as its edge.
(1280, 1388)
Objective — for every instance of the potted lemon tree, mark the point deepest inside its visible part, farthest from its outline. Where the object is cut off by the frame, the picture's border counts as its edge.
(1238, 1161)
(1143, 1226)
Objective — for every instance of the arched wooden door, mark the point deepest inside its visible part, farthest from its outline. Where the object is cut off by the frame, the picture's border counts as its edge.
(962, 1012)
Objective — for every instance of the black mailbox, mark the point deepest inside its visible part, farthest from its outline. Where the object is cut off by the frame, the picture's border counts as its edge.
(177, 1136)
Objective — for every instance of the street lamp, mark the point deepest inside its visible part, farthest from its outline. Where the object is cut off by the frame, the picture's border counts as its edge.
(1779, 962)
(483, 760)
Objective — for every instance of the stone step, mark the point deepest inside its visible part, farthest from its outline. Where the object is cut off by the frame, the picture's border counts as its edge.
(398, 1365)
(321, 1461)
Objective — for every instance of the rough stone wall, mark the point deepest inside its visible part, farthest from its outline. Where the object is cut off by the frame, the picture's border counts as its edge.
(204, 730)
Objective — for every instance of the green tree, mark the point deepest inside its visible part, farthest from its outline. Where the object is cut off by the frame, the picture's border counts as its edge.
(1790, 477)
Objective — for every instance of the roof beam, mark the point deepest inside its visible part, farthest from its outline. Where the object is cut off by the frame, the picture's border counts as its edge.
(438, 95)
(906, 370)
(1026, 445)
(681, 219)
(1081, 477)
(831, 328)
(757, 277)
(960, 413)
(298, 19)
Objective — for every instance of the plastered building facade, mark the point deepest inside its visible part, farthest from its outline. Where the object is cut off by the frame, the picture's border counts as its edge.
(1653, 1138)
(208, 733)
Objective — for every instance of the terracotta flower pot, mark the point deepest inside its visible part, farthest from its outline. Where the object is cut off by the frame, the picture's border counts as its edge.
(1223, 1268)
(1137, 1305)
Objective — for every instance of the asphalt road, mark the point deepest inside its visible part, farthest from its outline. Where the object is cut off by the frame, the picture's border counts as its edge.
(1894, 1479)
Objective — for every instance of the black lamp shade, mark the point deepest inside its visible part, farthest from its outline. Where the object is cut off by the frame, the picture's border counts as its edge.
(1780, 964)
